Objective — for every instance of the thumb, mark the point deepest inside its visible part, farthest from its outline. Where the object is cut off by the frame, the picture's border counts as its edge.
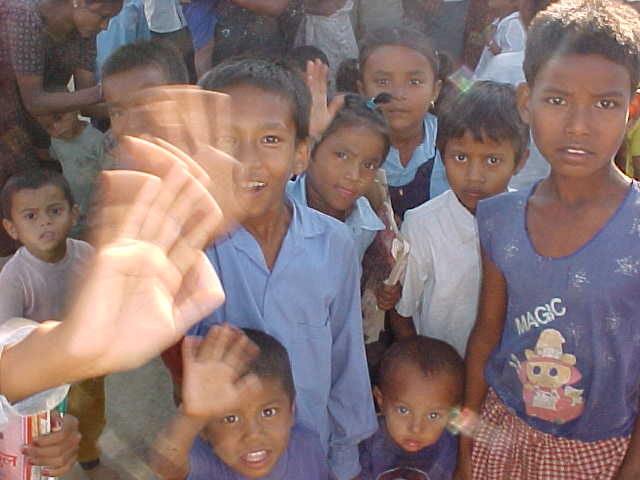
(190, 345)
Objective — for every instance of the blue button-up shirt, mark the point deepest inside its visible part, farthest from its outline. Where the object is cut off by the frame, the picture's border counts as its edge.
(310, 302)
(399, 175)
(362, 220)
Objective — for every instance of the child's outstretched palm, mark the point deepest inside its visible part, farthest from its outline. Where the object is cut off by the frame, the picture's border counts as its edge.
(215, 377)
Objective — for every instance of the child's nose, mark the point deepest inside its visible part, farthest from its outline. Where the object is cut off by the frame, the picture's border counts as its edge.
(578, 120)
(415, 425)
(475, 173)
(352, 171)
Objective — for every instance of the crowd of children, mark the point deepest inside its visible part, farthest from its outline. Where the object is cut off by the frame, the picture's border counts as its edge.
(509, 349)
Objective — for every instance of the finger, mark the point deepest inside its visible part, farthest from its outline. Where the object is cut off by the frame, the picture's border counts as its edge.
(56, 453)
(200, 294)
(61, 470)
(194, 169)
(193, 218)
(215, 343)
(335, 105)
(121, 204)
(240, 351)
(190, 346)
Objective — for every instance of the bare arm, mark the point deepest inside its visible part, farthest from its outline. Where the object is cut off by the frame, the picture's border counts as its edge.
(272, 8)
(84, 79)
(402, 327)
(484, 338)
(630, 468)
(169, 457)
(39, 102)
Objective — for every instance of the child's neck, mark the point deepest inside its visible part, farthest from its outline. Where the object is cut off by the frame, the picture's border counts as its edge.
(407, 141)
(578, 192)
(315, 201)
(505, 12)
(269, 231)
(52, 256)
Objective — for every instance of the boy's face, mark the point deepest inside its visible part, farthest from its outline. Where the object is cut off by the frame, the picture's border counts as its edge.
(41, 219)
(477, 170)
(343, 167)
(252, 438)
(408, 76)
(263, 140)
(577, 110)
(64, 126)
(416, 408)
(119, 92)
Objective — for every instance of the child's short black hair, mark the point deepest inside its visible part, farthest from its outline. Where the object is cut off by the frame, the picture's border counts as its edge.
(584, 27)
(148, 53)
(358, 112)
(299, 56)
(347, 76)
(272, 362)
(271, 75)
(429, 355)
(404, 35)
(32, 179)
(486, 110)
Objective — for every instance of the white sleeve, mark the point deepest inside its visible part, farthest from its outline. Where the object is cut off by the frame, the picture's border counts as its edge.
(514, 38)
(11, 332)
(419, 268)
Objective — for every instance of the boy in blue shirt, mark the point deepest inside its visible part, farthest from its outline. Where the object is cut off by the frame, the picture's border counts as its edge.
(288, 270)
(232, 425)
(420, 381)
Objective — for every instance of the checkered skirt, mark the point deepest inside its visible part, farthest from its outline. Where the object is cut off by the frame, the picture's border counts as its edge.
(506, 448)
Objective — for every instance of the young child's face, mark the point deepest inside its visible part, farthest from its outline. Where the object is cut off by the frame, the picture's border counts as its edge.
(416, 408)
(263, 140)
(251, 439)
(408, 76)
(577, 120)
(64, 126)
(477, 170)
(119, 92)
(41, 219)
(343, 167)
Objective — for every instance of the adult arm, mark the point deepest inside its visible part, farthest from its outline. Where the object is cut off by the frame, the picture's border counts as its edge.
(39, 102)
(352, 420)
(84, 79)
(150, 259)
(484, 338)
(271, 8)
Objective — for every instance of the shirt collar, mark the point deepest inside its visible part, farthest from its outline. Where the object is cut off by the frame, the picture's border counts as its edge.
(397, 174)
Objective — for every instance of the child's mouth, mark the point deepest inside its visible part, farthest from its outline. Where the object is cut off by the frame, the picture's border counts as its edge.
(254, 186)
(256, 459)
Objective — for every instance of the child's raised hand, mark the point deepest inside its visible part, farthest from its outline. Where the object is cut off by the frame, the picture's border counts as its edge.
(388, 295)
(321, 112)
(215, 377)
(56, 451)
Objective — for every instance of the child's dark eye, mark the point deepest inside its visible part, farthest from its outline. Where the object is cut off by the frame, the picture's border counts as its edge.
(606, 104)
(461, 157)
(433, 416)
(369, 165)
(231, 419)
(56, 211)
(383, 82)
(556, 101)
(269, 412)
(29, 216)
(493, 160)
(416, 81)
(271, 139)
(402, 410)
(342, 155)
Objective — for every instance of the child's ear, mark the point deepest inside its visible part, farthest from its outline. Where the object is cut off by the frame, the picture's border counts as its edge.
(523, 94)
(301, 159)
(377, 394)
(522, 162)
(10, 228)
(75, 214)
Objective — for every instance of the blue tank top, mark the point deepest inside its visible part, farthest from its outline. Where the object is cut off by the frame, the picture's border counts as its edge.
(568, 362)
